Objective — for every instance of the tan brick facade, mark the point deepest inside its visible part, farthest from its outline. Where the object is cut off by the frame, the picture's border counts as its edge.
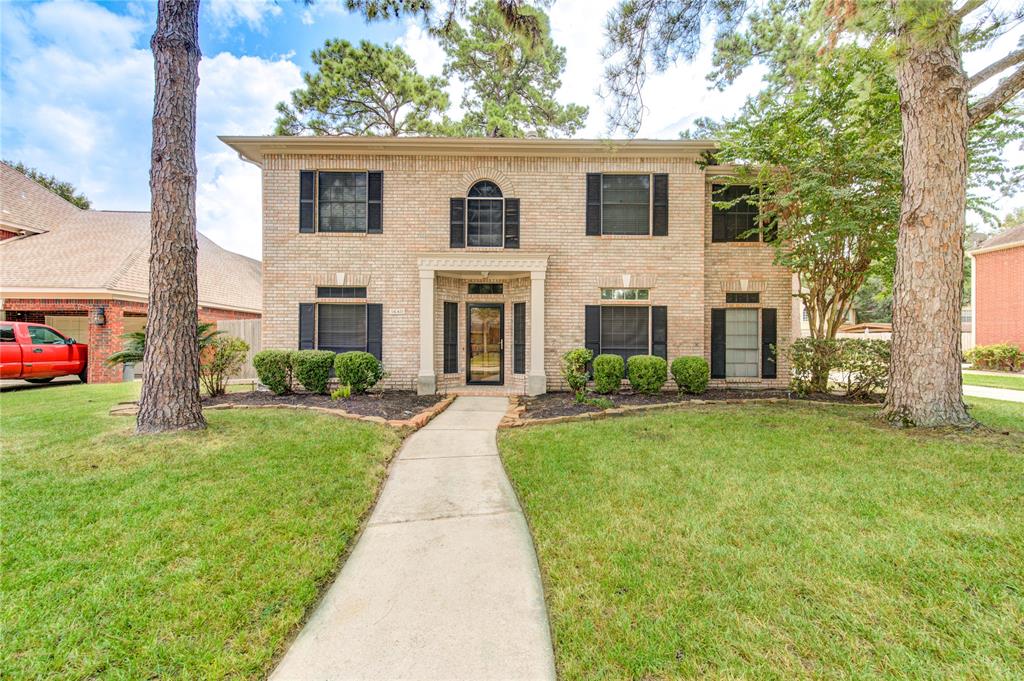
(684, 271)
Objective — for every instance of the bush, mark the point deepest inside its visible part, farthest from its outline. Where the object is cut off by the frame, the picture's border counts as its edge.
(691, 374)
(812, 359)
(342, 392)
(997, 357)
(312, 369)
(359, 370)
(574, 368)
(274, 368)
(647, 373)
(222, 358)
(864, 364)
(609, 371)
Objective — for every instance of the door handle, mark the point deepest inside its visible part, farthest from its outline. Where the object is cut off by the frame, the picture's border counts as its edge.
(37, 349)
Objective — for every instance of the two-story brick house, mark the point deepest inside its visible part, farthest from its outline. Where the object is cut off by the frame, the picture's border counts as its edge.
(480, 261)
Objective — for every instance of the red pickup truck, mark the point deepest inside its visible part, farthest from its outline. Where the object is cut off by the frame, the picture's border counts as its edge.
(38, 354)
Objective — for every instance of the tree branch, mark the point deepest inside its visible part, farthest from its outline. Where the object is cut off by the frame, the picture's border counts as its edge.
(1004, 92)
(966, 9)
(994, 68)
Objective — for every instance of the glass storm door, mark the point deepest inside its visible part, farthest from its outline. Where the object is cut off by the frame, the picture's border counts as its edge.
(485, 346)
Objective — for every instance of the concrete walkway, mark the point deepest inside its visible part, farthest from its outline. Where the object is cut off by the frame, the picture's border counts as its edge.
(443, 583)
(1006, 394)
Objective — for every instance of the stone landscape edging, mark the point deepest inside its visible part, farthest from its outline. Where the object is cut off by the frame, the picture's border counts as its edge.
(415, 423)
(513, 416)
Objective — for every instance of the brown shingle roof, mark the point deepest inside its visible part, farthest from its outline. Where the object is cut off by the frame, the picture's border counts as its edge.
(100, 250)
(1007, 237)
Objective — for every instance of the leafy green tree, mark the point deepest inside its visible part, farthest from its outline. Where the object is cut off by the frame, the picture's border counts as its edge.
(925, 41)
(363, 90)
(65, 190)
(873, 301)
(1015, 218)
(134, 348)
(824, 156)
(511, 77)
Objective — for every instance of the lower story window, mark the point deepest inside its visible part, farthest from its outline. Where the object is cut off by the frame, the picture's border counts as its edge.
(341, 328)
(741, 343)
(624, 331)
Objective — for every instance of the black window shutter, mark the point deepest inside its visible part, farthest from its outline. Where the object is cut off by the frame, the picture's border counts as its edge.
(592, 329)
(451, 338)
(457, 237)
(307, 313)
(768, 342)
(511, 223)
(374, 330)
(593, 204)
(659, 331)
(519, 338)
(660, 207)
(307, 201)
(375, 202)
(718, 344)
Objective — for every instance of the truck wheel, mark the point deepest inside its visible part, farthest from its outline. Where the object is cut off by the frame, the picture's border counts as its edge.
(39, 380)
(84, 376)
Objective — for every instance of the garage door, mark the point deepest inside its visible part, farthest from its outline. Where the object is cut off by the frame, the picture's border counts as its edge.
(70, 327)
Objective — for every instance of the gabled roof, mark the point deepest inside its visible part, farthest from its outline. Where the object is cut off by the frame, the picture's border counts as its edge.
(103, 253)
(1008, 238)
(27, 206)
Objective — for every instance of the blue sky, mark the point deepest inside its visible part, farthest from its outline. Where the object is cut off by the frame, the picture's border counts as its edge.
(77, 86)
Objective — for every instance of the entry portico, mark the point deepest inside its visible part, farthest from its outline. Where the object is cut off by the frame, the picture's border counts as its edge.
(446, 281)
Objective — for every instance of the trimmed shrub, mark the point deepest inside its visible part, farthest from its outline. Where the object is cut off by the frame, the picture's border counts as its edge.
(691, 374)
(360, 370)
(997, 357)
(274, 368)
(222, 358)
(647, 373)
(574, 368)
(609, 371)
(312, 368)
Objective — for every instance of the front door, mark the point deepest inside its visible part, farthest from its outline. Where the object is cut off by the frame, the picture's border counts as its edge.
(485, 344)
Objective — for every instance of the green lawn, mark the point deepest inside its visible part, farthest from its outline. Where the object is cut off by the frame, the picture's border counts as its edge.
(174, 556)
(777, 542)
(993, 381)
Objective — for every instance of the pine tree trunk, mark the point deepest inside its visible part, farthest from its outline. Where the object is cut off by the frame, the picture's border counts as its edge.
(924, 374)
(170, 382)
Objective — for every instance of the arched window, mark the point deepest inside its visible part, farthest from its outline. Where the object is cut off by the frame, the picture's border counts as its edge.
(485, 210)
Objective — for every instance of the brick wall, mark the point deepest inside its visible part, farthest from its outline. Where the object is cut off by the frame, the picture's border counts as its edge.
(999, 298)
(684, 271)
(103, 340)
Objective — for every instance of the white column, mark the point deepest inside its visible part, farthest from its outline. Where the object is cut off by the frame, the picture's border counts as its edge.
(426, 381)
(536, 381)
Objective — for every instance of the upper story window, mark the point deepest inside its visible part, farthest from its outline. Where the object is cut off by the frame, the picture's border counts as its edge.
(739, 220)
(336, 201)
(484, 218)
(627, 204)
(341, 202)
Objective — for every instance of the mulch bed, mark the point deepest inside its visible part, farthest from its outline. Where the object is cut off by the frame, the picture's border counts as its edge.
(392, 404)
(550, 405)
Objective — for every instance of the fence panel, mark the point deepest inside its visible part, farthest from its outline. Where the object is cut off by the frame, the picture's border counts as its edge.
(249, 331)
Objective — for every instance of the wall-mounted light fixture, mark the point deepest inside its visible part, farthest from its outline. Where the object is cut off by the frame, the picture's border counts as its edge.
(98, 316)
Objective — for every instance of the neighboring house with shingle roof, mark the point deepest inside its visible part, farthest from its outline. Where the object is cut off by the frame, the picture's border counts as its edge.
(997, 288)
(86, 272)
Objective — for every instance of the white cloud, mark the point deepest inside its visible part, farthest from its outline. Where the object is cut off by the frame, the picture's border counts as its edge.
(80, 107)
(237, 96)
(228, 13)
(426, 51)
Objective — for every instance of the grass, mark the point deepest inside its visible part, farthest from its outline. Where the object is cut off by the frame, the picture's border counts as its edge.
(777, 542)
(994, 381)
(172, 556)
